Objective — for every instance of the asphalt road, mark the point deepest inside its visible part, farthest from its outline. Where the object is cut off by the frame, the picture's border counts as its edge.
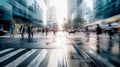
(60, 50)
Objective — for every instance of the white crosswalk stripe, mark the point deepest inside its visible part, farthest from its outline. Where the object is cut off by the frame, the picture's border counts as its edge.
(40, 57)
(10, 55)
(5, 50)
(21, 58)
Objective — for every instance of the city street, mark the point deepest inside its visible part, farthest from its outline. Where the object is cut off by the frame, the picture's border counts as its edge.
(60, 50)
(59, 33)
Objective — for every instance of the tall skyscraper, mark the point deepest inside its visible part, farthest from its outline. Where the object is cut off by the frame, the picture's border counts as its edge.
(72, 8)
(106, 8)
(51, 14)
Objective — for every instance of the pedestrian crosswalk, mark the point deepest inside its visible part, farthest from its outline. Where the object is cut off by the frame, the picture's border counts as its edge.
(3, 51)
(20, 59)
(12, 57)
(37, 61)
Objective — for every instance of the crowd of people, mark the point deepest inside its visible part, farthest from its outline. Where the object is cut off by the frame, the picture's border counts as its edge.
(29, 29)
(47, 29)
(23, 29)
(99, 30)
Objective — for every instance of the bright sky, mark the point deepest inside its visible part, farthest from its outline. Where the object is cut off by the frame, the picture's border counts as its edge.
(89, 3)
(61, 7)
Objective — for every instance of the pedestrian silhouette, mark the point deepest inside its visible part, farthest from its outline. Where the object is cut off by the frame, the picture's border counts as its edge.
(46, 30)
(111, 31)
(87, 31)
(22, 30)
(32, 31)
(43, 30)
(12, 28)
(30, 34)
(98, 31)
(29, 31)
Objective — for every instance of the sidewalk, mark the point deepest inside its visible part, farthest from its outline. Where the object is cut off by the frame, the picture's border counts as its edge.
(92, 35)
(108, 48)
(36, 35)
(38, 41)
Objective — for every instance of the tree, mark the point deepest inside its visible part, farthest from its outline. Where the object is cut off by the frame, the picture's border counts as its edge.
(77, 22)
(66, 26)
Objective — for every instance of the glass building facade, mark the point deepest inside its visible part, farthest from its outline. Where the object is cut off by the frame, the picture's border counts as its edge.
(106, 8)
(25, 10)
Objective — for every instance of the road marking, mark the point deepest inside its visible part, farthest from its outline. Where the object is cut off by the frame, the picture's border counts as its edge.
(10, 55)
(21, 59)
(5, 50)
(40, 57)
(53, 59)
(105, 61)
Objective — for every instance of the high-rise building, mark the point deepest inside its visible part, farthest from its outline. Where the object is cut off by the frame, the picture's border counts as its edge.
(51, 14)
(106, 8)
(73, 10)
(19, 11)
(5, 14)
(47, 2)
(71, 7)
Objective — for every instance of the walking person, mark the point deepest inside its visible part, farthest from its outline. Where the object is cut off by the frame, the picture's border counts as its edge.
(29, 31)
(12, 28)
(43, 30)
(87, 32)
(22, 30)
(98, 31)
(32, 31)
(47, 30)
(111, 31)
(55, 28)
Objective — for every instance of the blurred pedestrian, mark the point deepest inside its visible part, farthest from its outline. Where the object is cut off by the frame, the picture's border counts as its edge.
(43, 30)
(55, 28)
(47, 30)
(22, 30)
(29, 31)
(111, 31)
(32, 31)
(12, 28)
(87, 31)
(98, 31)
